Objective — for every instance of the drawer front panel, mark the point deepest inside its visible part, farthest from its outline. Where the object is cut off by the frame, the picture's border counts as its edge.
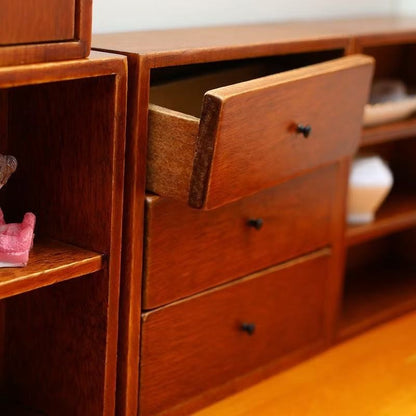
(193, 346)
(256, 134)
(32, 21)
(190, 250)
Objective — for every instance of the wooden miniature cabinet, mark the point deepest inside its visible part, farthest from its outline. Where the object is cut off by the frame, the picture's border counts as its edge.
(257, 126)
(44, 30)
(65, 124)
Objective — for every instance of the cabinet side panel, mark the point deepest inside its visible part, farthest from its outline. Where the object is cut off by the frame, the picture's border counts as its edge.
(56, 347)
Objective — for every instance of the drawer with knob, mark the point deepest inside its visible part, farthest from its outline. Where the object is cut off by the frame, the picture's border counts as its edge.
(44, 30)
(189, 250)
(256, 134)
(192, 347)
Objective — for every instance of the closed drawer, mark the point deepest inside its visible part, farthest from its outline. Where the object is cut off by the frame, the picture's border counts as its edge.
(189, 250)
(33, 31)
(196, 345)
(32, 21)
(250, 137)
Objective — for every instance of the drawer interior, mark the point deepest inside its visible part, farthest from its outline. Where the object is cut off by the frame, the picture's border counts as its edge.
(182, 88)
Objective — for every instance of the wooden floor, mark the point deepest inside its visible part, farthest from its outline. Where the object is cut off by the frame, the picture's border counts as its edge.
(372, 375)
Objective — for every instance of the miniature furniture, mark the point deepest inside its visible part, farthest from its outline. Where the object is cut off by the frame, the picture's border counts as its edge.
(44, 30)
(239, 141)
(65, 124)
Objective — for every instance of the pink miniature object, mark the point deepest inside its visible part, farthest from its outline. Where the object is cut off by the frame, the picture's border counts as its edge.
(16, 239)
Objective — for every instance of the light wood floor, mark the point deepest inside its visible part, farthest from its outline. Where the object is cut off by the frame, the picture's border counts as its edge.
(371, 375)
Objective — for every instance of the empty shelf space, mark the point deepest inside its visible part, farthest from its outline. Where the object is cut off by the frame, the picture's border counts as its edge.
(375, 294)
(397, 213)
(387, 132)
(49, 262)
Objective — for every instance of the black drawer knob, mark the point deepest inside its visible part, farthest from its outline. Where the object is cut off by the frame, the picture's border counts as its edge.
(304, 129)
(248, 327)
(256, 223)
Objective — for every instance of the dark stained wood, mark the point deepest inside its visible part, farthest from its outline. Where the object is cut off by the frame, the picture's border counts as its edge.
(44, 30)
(30, 21)
(50, 262)
(228, 141)
(375, 294)
(195, 345)
(66, 126)
(188, 250)
(133, 225)
(160, 49)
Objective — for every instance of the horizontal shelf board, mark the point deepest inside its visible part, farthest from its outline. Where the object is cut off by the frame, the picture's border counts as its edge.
(49, 262)
(375, 294)
(397, 213)
(386, 132)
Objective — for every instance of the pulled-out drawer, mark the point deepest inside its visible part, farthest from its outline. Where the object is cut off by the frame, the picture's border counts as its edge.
(189, 250)
(256, 134)
(193, 346)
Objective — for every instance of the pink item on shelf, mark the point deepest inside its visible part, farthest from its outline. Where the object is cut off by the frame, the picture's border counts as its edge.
(16, 240)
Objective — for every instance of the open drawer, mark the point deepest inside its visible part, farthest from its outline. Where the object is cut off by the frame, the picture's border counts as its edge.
(255, 134)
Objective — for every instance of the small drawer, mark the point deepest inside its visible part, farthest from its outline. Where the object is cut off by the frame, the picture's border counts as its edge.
(202, 343)
(189, 250)
(256, 134)
(44, 30)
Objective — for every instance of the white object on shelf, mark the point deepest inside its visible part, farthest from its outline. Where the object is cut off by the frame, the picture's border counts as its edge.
(370, 182)
(389, 101)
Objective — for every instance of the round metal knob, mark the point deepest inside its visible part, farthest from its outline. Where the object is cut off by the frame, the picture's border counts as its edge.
(256, 223)
(304, 129)
(248, 327)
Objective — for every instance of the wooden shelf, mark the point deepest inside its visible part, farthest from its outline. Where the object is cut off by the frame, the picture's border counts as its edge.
(375, 294)
(397, 213)
(386, 132)
(50, 262)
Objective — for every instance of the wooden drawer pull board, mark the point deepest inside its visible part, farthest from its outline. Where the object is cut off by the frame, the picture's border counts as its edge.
(244, 140)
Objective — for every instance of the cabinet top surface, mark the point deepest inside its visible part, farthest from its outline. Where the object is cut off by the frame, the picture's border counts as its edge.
(162, 46)
(97, 64)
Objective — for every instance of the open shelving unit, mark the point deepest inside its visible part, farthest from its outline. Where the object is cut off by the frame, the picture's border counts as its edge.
(380, 277)
(65, 124)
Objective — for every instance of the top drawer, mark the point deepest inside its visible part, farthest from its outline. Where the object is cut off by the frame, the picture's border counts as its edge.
(44, 30)
(256, 134)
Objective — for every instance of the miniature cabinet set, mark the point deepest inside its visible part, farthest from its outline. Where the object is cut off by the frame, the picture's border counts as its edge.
(222, 255)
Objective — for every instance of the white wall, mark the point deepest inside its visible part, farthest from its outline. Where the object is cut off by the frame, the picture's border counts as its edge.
(124, 15)
(406, 7)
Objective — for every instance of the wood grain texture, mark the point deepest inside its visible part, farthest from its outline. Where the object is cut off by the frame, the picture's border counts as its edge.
(56, 347)
(195, 345)
(66, 126)
(132, 254)
(43, 30)
(371, 375)
(188, 250)
(171, 151)
(30, 21)
(228, 142)
(50, 262)
(181, 46)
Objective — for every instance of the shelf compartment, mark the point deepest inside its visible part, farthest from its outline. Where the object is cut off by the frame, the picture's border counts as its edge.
(387, 132)
(375, 294)
(50, 262)
(397, 213)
